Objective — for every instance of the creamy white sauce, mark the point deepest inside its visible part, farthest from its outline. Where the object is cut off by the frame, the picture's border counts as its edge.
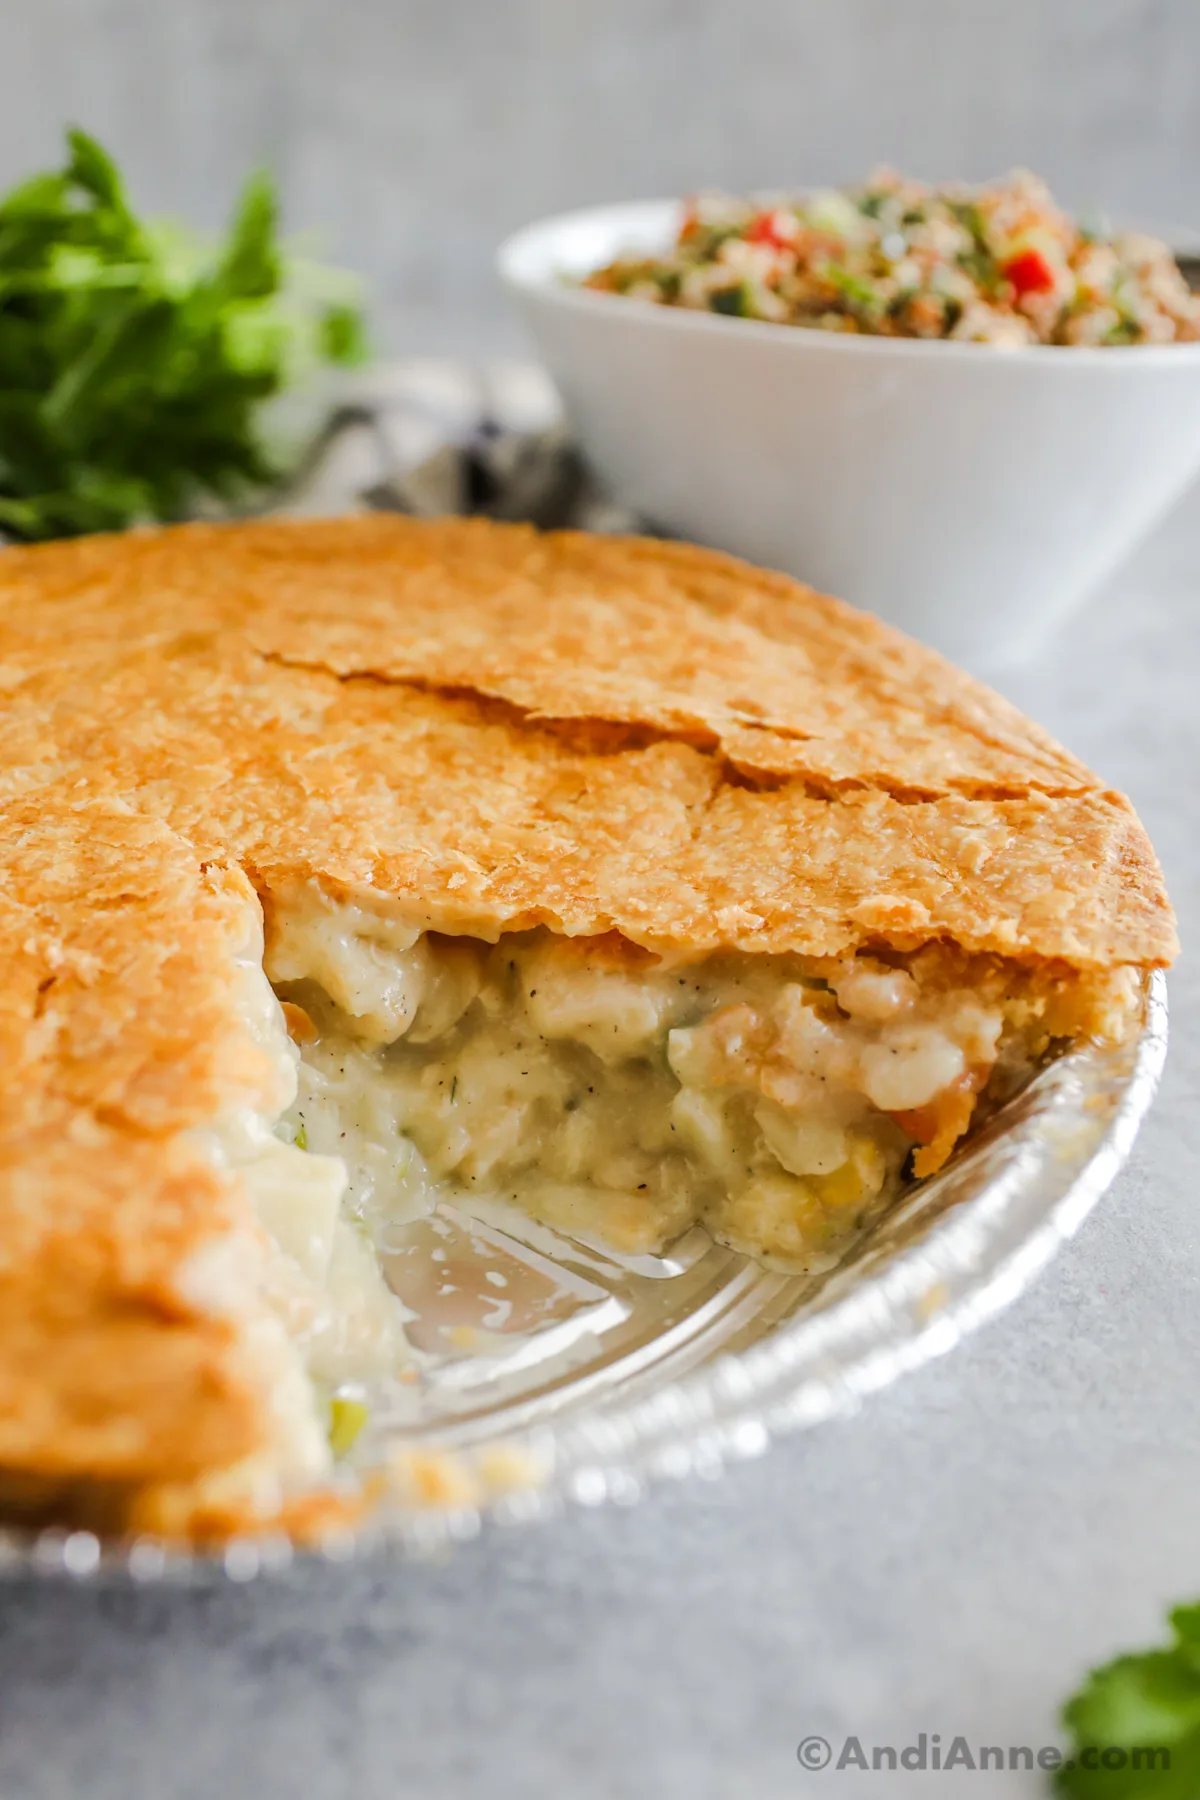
(610, 1093)
(614, 1096)
(618, 1098)
(306, 1288)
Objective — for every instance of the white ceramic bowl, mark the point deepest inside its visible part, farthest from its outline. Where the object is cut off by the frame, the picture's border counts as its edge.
(970, 495)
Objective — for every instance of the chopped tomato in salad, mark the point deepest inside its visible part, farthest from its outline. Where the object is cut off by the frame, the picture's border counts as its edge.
(998, 264)
(1029, 273)
(771, 228)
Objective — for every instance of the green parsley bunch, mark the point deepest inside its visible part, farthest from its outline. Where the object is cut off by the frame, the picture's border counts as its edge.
(135, 359)
(1135, 1723)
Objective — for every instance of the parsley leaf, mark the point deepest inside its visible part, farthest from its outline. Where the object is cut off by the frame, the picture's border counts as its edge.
(135, 358)
(1144, 1710)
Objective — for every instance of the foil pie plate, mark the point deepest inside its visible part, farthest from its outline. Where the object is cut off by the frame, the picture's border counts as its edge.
(552, 1371)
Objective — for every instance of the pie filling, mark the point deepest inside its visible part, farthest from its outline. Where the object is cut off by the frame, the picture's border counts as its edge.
(779, 1101)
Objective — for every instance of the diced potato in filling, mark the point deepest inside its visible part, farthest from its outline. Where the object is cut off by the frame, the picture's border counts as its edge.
(777, 1100)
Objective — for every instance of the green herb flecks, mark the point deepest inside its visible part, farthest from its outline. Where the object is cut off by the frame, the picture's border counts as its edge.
(301, 1138)
(733, 301)
(135, 359)
(1125, 331)
(970, 217)
(860, 293)
(978, 260)
(1136, 1721)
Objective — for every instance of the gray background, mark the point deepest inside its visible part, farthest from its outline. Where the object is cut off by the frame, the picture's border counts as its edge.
(952, 1559)
(416, 133)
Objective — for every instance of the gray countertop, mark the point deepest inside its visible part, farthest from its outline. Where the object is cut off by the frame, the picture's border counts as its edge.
(949, 1561)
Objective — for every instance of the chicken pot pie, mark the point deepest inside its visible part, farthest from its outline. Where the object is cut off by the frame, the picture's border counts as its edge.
(350, 866)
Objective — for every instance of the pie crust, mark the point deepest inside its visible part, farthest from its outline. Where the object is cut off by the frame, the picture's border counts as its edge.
(474, 730)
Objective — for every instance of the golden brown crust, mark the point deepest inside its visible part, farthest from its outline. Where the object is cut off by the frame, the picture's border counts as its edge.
(117, 1032)
(496, 729)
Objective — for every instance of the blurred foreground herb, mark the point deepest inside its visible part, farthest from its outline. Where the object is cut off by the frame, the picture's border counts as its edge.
(1136, 1723)
(134, 358)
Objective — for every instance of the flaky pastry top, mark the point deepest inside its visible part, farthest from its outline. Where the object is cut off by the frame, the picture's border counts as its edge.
(486, 729)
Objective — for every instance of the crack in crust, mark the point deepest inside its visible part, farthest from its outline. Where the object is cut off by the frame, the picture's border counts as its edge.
(486, 730)
(605, 735)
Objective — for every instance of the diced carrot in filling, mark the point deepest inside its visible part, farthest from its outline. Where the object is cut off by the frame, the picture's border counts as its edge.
(300, 1027)
(938, 1125)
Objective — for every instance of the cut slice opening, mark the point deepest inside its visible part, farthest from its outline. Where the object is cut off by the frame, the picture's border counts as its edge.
(621, 1096)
